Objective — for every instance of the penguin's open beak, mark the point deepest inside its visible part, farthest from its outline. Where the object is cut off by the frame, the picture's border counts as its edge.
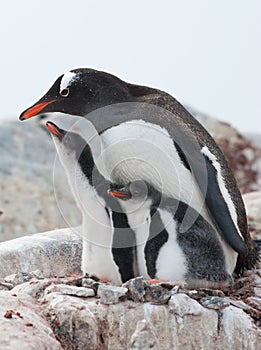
(55, 130)
(34, 110)
(122, 193)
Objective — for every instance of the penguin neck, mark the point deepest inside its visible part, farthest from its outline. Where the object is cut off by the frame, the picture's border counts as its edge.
(155, 196)
(93, 175)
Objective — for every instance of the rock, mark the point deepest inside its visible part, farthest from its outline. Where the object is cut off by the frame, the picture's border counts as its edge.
(238, 303)
(129, 325)
(110, 294)
(257, 292)
(90, 283)
(254, 302)
(5, 286)
(136, 288)
(35, 289)
(203, 292)
(144, 337)
(54, 253)
(158, 295)
(253, 208)
(84, 322)
(216, 303)
(22, 277)
(181, 305)
(73, 322)
(71, 290)
(22, 325)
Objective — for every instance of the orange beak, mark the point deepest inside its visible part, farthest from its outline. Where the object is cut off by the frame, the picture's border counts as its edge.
(54, 130)
(31, 112)
(120, 193)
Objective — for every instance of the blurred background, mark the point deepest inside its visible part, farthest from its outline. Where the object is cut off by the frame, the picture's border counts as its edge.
(205, 53)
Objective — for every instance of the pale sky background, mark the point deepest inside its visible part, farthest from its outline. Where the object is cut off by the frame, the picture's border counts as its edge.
(205, 53)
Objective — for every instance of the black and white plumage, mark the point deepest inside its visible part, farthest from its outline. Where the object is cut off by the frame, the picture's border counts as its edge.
(108, 244)
(83, 91)
(173, 249)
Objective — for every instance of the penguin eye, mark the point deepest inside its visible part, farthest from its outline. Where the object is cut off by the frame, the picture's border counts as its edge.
(64, 92)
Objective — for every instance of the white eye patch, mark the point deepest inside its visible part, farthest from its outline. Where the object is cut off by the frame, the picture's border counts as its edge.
(67, 80)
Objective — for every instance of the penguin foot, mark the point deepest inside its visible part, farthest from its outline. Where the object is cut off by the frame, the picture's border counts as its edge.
(156, 281)
(105, 280)
(74, 275)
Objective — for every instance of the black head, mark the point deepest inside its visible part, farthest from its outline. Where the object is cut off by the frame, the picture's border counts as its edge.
(69, 140)
(79, 92)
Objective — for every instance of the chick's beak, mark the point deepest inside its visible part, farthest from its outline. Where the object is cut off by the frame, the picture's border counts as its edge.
(121, 193)
(55, 130)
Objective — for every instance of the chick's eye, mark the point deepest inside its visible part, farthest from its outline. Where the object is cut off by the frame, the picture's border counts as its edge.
(64, 92)
(67, 139)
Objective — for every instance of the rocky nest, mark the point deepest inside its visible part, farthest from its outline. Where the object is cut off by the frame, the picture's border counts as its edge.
(85, 313)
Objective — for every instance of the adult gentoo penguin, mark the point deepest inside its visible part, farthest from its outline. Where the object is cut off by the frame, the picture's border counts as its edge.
(82, 91)
(108, 245)
(192, 254)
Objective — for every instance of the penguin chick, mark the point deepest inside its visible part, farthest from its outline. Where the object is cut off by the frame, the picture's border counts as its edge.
(175, 249)
(108, 242)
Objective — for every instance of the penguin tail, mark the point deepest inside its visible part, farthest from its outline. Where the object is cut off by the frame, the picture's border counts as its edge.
(251, 261)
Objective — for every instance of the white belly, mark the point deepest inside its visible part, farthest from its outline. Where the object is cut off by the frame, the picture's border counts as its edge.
(171, 262)
(97, 233)
(138, 215)
(97, 257)
(139, 150)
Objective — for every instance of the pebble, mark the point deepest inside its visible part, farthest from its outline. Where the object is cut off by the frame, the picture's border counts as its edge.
(214, 302)
(90, 283)
(254, 302)
(110, 294)
(23, 277)
(70, 290)
(158, 295)
(257, 292)
(5, 285)
(136, 288)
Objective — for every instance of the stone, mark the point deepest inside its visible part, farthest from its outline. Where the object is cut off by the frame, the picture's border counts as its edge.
(257, 292)
(252, 202)
(22, 325)
(72, 321)
(158, 295)
(34, 288)
(5, 285)
(20, 277)
(90, 283)
(214, 302)
(70, 290)
(136, 288)
(54, 253)
(144, 337)
(111, 294)
(254, 302)
(238, 303)
(80, 322)
(181, 305)
(129, 325)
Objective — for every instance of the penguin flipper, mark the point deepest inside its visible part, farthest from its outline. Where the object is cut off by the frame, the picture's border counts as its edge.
(218, 207)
